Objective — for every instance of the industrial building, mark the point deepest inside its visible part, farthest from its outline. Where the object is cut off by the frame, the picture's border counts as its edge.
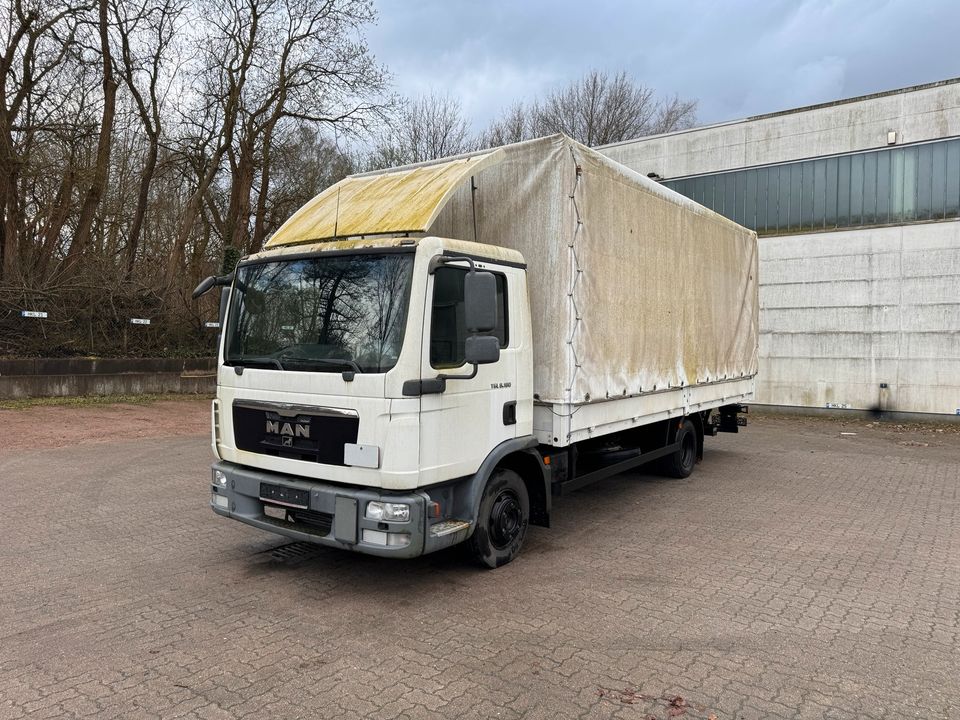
(857, 207)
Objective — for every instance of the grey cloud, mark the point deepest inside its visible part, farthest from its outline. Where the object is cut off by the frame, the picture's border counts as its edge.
(738, 58)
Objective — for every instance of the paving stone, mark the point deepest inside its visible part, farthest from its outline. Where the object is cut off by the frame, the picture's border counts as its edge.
(793, 575)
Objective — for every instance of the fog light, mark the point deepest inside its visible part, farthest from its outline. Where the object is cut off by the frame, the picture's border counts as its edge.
(374, 537)
(387, 511)
(220, 478)
(377, 537)
(221, 501)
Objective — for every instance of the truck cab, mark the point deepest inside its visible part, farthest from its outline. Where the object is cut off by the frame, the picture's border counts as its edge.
(353, 408)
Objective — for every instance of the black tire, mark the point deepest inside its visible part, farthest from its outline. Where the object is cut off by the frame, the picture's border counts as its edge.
(502, 521)
(681, 463)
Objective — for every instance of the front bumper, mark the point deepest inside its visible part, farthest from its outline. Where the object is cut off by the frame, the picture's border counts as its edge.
(334, 516)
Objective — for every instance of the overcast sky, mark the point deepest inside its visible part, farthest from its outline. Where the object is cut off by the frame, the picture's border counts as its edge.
(736, 58)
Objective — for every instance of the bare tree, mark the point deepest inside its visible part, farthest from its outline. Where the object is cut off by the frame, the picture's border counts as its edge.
(304, 161)
(429, 127)
(37, 39)
(514, 125)
(270, 64)
(101, 171)
(138, 196)
(674, 114)
(597, 109)
(146, 30)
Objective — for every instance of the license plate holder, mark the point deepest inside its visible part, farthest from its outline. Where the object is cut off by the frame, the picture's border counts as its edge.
(287, 496)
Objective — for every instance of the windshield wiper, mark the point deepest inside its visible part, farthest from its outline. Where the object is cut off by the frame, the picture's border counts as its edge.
(239, 364)
(326, 361)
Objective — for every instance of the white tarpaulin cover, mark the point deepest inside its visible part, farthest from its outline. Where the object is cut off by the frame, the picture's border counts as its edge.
(633, 287)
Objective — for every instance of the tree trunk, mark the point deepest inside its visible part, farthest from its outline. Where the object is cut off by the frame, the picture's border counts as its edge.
(58, 218)
(175, 263)
(95, 192)
(9, 175)
(237, 220)
(8, 232)
(9, 162)
(143, 197)
(260, 220)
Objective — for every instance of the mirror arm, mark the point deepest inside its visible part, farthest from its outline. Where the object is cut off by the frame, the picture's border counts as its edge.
(434, 386)
(471, 376)
(439, 260)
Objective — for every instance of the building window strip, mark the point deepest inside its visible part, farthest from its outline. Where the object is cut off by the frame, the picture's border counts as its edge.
(877, 187)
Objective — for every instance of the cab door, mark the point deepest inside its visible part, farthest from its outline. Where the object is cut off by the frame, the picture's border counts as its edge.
(460, 426)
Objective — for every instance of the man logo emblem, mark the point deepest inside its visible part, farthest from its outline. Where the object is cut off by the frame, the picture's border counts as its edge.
(286, 441)
(288, 430)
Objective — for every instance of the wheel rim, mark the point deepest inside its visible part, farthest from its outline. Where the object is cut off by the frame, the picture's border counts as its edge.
(506, 519)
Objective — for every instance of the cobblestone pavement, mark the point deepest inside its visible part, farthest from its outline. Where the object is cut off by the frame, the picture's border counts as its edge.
(798, 573)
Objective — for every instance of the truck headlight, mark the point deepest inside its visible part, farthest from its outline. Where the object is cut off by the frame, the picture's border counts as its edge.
(220, 478)
(387, 511)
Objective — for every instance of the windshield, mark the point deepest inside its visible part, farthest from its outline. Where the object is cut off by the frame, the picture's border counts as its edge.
(325, 314)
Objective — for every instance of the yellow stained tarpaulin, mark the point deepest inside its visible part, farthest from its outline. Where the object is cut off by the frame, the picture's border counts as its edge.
(393, 201)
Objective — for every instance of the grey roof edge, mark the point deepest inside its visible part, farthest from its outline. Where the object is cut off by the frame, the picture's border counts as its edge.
(791, 111)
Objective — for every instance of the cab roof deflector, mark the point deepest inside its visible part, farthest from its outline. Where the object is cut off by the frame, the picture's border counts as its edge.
(399, 200)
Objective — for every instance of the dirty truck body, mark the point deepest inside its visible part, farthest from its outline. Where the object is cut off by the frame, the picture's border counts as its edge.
(428, 355)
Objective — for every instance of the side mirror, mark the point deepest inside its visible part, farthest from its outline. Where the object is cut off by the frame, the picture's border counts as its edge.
(209, 282)
(482, 349)
(480, 301)
(204, 286)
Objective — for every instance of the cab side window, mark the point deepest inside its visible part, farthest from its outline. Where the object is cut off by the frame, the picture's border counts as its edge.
(448, 331)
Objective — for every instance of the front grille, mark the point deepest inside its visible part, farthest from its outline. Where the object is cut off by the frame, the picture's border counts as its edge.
(320, 520)
(310, 434)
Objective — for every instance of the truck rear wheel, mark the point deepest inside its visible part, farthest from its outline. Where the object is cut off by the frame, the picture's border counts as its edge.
(502, 521)
(681, 463)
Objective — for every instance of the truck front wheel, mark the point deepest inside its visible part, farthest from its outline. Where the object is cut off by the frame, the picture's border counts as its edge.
(681, 463)
(502, 521)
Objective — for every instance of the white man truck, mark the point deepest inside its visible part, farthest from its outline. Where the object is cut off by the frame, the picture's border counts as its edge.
(427, 355)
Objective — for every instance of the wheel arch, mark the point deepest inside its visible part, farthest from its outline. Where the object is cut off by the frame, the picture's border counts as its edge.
(521, 456)
(535, 475)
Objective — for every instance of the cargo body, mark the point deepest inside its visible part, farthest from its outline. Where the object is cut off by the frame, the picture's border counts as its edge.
(427, 355)
(635, 291)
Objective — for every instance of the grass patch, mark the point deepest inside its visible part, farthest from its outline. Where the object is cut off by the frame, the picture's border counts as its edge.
(93, 400)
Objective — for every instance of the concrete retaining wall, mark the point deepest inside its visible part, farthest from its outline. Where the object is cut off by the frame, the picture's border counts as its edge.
(54, 377)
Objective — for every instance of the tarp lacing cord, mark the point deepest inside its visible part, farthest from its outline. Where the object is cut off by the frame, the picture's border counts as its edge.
(577, 271)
